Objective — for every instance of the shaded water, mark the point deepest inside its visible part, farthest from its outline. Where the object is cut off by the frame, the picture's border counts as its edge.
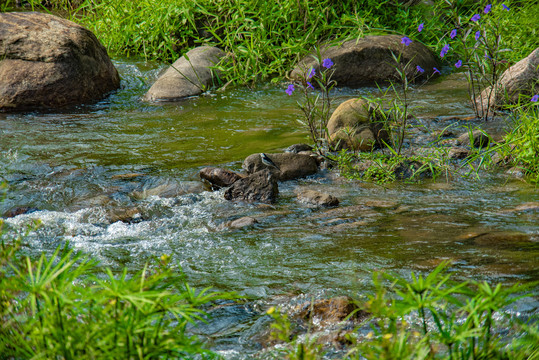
(83, 169)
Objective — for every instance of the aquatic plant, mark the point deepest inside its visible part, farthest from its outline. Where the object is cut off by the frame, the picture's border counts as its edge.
(64, 306)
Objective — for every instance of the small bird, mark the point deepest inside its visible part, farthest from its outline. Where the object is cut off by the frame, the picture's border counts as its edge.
(267, 161)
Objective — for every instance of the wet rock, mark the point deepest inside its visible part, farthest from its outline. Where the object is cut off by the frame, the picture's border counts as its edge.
(127, 177)
(49, 62)
(297, 148)
(458, 153)
(502, 239)
(478, 138)
(411, 169)
(353, 126)
(190, 75)
(292, 166)
(516, 172)
(258, 187)
(219, 178)
(528, 206)
(126, 215)
(317, 198)
(19, 210)
(242, 222)
(519, 79)
(166, 188)
(369, 61)
(329, 312)
(379, 204)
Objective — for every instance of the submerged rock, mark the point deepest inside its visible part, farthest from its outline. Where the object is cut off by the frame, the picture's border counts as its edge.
(353, 126)
(317, 198)
(329, 312)
(258, 187)
(369, 61)
(242, 222)
(519, 79)
(219, 178)
(19, 210)
(190, 75)
(49, 62)
(292, 166)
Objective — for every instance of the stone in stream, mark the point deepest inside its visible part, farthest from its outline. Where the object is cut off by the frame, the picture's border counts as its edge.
(258, 187)
(519, 79)
(354, 125)
(47, 62)
(19, 210)
(219, 178)
(190, 75)
(369, 61)
(317, 198)
(297, 148)
(242, 222)
(292, 166)
(478, 138)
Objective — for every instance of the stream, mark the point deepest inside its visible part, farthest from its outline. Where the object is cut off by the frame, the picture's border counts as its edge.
(81, 170)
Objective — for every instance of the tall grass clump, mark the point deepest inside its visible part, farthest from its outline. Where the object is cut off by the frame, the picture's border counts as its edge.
(65, 307)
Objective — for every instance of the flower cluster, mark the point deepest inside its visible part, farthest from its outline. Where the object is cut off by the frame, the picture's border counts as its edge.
(326, 63)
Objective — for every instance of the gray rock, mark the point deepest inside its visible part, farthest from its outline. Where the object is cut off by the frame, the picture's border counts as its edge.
(258, 187)
(292, 166)
(317, 198)
(458, 153)
(242, 222)
(219, 178)
(48, 62)
(519, 79)
(368, 61)
(297, 148)
(190, 75)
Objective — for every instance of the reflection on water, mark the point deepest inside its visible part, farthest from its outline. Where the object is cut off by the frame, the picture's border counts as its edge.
(119, 180)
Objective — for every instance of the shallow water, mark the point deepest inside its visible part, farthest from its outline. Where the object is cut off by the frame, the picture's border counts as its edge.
(79, 168)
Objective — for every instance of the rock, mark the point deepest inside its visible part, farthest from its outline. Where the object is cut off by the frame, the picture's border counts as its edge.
(368, 61)
(166, 188)
(242, 222)
(258, 187)
(329, 312)
(219, 178)
(317, 198)
(49, 62)
(126, 215)
(19, 210)
(353, 126)
(127, 177)
(519, 79)
(502, 239)
(411, 169)
(458, 153)
(292, 166)
(528, 206)
(190, 75)
(480, 139)
(297, 148)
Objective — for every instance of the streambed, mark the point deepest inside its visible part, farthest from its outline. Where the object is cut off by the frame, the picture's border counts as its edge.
(80, 170)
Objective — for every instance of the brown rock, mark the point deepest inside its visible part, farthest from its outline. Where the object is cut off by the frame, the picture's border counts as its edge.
(369, 61)
(219, 178)
(48, 62)
(190, 75)
(478, 138)
(458, 153)
(317, 198)
(292, 166)
(519, 79)
(258, 187)
(242, 222)
(330, 312)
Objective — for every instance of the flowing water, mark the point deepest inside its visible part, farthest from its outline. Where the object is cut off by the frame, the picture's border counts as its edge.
(81, 170)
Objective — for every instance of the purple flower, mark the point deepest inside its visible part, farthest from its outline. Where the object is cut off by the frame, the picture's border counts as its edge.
(458, 64)
(505, 7)
(420, 69)
(487, 57)
(487, 8)
(476, 17)
(420, 27)
(290, 89)
(535, 98)
(477, 35)
(311, 73)
(310, 85)
(327, 63)
(453, 33)
(406, 40)
(436, 71)
(444, 51)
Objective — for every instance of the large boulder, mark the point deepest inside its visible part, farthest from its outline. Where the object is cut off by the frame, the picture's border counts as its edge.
(49, 62)
(353, 125)
(520, 79)
(291, 166)
(258, 187)
(190, 75)
(219, 178)
(369, 61)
